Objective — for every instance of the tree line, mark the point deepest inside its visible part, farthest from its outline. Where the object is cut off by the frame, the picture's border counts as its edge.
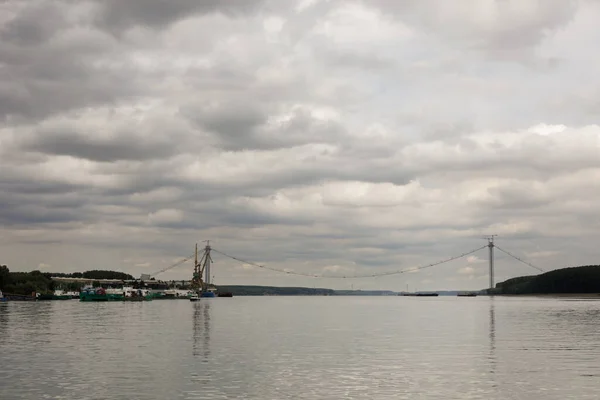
(572, 280)
(26, 283)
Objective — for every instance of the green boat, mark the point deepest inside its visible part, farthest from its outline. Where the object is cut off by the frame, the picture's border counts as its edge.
(89, 293)
(58, 295)
(54, 297)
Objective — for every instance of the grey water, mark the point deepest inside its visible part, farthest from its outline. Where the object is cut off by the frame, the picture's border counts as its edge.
(302, 348)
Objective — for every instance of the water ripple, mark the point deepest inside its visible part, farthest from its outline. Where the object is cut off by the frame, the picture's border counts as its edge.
(301, 348)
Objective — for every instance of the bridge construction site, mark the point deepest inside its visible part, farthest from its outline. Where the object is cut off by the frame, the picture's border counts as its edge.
(201, 283)
(203, 267)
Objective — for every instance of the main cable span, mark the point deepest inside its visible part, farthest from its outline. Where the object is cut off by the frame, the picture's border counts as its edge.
(388, 273)
(402, 271)
(518, 259)
(178, 263)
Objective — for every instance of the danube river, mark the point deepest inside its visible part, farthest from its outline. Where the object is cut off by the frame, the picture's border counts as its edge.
(302, 348)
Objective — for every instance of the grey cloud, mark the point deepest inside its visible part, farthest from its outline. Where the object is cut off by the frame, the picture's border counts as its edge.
(87, 147)
(452, 132)
(35, 23)
(519, 196)
(44, 80)
(122, 15)
(234, 124)
(495, 26)
(35, 187)
(254, 219)
(365, 62)
(241, 125)
(19, 215)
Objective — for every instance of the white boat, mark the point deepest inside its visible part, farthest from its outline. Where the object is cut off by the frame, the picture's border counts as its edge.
(73, 295)
(194, 297)
(129, 291)
(176, 293)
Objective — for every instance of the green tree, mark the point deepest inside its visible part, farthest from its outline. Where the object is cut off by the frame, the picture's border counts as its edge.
(101, 274)
(585, 279)
(4, 276)
(73, 286)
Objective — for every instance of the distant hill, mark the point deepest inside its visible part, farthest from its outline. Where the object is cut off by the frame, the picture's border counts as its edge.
(365, 293)
(574, 280)
(242, 290)
(94, 274)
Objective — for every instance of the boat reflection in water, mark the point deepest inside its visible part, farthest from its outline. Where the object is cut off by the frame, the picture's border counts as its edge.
(201, 336)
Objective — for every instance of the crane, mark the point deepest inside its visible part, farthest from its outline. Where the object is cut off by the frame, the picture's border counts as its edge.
(201, 268)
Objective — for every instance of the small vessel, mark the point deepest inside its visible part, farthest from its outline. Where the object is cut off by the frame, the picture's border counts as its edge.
(2, 298)
(194, 297)
(18, 297)
(419, 294)
(210, 292)
(470, 294)
(174, 294)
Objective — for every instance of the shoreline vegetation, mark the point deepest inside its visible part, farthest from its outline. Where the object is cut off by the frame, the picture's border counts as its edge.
(571, 281)
(555, 295)
(26, 283)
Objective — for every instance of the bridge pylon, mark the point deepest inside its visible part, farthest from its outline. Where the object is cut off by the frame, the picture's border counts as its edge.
(490, 240)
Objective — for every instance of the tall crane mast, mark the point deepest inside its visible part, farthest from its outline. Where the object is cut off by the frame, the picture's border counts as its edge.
(200, 268)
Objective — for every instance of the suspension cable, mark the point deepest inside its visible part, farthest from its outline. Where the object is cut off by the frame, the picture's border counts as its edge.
(402, 271)
(518, 259)
(173, 265)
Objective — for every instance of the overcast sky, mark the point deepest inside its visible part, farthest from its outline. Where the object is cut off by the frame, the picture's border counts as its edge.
(324, 137)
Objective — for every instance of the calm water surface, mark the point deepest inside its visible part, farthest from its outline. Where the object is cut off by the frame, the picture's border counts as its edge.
(302, 348)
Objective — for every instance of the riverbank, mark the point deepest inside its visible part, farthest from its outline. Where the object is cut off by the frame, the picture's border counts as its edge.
(595, 296)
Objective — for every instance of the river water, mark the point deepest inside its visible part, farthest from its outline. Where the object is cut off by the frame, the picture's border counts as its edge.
(302, 348)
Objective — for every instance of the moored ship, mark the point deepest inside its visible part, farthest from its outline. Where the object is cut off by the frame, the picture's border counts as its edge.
(58, 295)
(89, 293)
(131, 294)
